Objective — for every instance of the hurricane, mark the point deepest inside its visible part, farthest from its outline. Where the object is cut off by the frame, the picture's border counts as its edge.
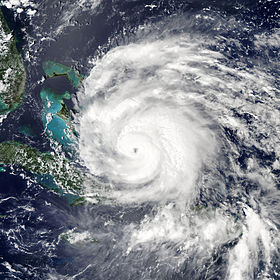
(168, 123)
(140, 140)
(147, 138)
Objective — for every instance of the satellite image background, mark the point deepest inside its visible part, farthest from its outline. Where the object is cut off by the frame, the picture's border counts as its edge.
(139, 139)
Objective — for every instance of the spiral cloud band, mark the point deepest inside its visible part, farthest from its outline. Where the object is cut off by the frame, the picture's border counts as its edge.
(146, 136)
(157, 125)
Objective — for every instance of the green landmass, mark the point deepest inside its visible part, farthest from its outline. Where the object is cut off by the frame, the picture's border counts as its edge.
(12, 72)
(53, 69)
(56, 116)
(77, 238)
(57, 174)
(64, 113)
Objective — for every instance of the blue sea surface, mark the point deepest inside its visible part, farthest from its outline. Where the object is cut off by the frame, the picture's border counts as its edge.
(37, 224)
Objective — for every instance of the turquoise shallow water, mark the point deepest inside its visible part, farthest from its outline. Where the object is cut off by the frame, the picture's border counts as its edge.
(48, 181)
(33, 219)
(55, 126)
(52, 69)
(3, 106)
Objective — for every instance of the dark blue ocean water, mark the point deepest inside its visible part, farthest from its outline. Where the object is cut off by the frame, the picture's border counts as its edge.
(32, 217)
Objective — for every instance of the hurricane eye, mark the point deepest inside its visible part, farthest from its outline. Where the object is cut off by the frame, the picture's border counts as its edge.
(172, 141)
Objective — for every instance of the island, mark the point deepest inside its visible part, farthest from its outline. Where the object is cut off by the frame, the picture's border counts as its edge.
(53, 69)
(57, 173)
(50, 169)
(56, 117)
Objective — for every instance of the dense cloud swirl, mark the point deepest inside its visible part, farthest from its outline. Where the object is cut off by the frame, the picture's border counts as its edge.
(157, 125)
(146, 136)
